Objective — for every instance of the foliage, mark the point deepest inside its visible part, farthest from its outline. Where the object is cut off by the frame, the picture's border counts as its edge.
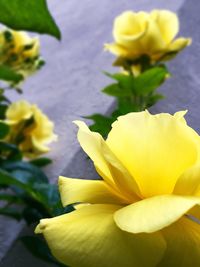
(25, 190)
(28, 15)
(133, 93)
(7, 74)
(39, 249)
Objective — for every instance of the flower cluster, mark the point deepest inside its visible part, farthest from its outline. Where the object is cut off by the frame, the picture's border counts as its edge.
(20, 52)
(29, 128)
(144, 211)
(151, 34)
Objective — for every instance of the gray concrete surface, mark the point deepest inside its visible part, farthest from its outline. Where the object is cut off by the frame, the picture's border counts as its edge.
(69, 86)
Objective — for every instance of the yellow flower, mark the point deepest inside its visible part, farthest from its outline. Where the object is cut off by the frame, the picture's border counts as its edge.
(20, 52)
(140, 214)
(152, 34)
(29, 128)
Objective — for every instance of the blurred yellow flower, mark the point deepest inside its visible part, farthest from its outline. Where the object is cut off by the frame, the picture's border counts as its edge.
(152, 34)
(29, 128)
(20, 52)
(140, 214)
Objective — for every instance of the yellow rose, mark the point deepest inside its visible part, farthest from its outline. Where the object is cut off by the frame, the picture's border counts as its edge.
(152, 34)
(29, 128)
(19, 51)
(140, 214)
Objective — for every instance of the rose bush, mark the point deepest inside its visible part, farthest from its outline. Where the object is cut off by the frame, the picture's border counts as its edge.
(145, 211)
(152, 34)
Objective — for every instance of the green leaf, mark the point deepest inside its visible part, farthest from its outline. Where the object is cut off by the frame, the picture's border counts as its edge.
(41, 162)
(124, 79)
(125, 85)
(102, 124)
(30, 15)
(39, 249)
(4, 130)
(149, 80)
(115, 90)
(8, 74)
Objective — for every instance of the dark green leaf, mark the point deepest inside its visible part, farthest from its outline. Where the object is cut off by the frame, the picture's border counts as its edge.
(8, 179)
(23, 176)
(149, 80)
(33, 214)
(39, 249)
(68, 209)
(31, 172)
(41, 162)
(102, 124)
(44, 195)
(48, 195)
(11, 212)
(125, 106)
(152, 100)
(3, 98)
(10, 198)
(13, 152)
(8, 74)
(30, 15)
(3, 109)
(4, 130)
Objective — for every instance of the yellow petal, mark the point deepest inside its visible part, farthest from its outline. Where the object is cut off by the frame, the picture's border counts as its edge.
(183, 244)
(152, 41)
(21, 38)
(91, 144)
(155, 149)
(116, 49)
(42, 133)
(189, 181)
(129, 27)
(39, 145)
(167, 22)
(179, 44)
(107, 165)
(43, 130)
(124, 181)
(180, 116)
(89, 191)
(88, 237)
(18, 111)
(153, 214)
